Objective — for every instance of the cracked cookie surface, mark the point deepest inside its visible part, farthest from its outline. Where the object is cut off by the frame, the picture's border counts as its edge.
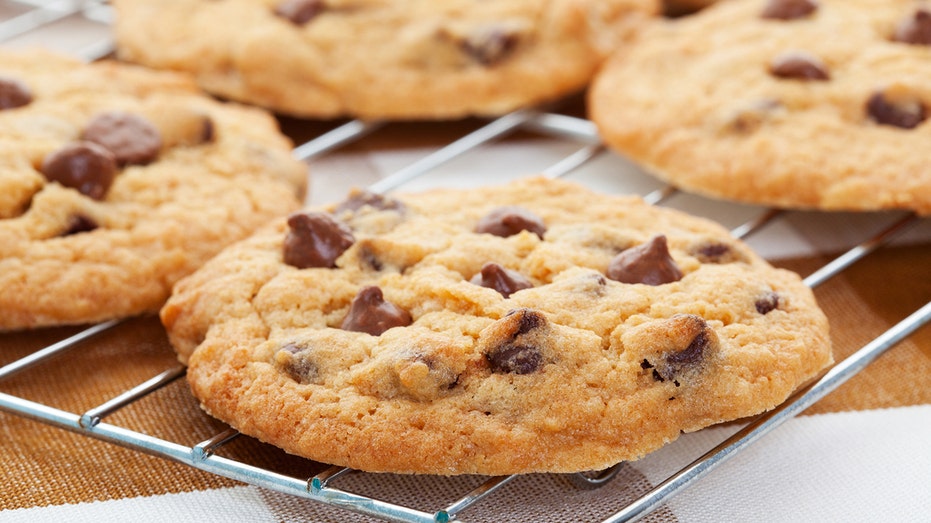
(793, 103)
(488, 331)
(116, 181)
(402, 59)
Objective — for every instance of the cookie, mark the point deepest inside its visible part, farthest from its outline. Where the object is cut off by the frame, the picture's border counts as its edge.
(116, 181)
(528, 327)
(403, 59)
(793, 103)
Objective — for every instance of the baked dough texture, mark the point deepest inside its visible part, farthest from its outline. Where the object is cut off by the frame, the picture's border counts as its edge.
(533, 326)
(377, 59)
(791, 103)
(116, 181)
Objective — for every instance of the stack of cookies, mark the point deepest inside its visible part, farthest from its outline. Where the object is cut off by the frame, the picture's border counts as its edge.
(533, 326)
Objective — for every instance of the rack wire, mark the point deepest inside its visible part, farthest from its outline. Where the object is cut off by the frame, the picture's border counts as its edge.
(33, 15)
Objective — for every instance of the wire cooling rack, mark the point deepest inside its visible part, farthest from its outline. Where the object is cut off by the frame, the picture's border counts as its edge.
(581, 146)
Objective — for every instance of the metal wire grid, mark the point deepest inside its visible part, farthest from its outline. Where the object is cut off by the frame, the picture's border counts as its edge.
(322, 487)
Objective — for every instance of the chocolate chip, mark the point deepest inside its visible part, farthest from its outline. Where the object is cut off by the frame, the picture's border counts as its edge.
(295, 361)
(679, 8)
(687, 342)
(315, 239)
(78, 224)
(505, 281)
(789, 9)
(84, 166)
(299, 12)
(131, 138)
(903, 113)
(359, 199)
(714, 252)
(489, 46)
(208, 132)
(691, 355)
(798, 65)
(516, 348)
(648, 263)
(13, 94)
(767, 303)
(515, 359)
(527, 320)
(915, 29)
(370, 313)
(510, 220)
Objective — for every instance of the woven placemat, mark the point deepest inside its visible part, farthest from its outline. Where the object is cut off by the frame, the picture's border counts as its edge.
(44, 466)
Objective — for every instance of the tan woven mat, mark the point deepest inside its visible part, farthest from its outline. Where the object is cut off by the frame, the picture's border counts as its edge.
(43, 465)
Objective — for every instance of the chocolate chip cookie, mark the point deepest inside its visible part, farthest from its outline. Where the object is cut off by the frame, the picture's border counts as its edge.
(819, 104)
(404, 59)
(528, 327)
(115, 182)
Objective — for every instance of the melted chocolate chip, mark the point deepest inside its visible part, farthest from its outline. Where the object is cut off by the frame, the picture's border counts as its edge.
(299, 12)
(505, 281)
(789, 9)
(515, 359)
(84, 166)
(315, 240)
(13, 94)
(527, 320)
(688, 345)
(131, 138)
(490, 46)
(767, 303)
(78, 224)
(716, 252)
(649, 263)
(370, 313)
(360, 199)
(678, 8)
(916, 29)
(294, 360)
(691, 355)
(510, 220)
(518, 351)
(799, 65)
(897, 113)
